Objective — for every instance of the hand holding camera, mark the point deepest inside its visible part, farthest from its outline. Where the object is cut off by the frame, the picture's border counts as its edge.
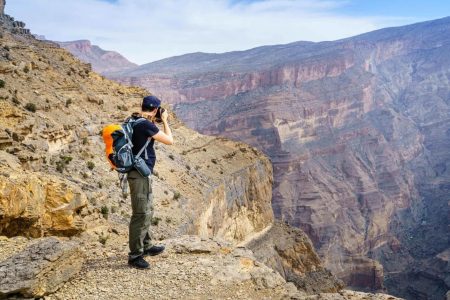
(161, 115)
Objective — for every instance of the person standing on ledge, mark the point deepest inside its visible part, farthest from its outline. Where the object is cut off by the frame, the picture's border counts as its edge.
(140, 239)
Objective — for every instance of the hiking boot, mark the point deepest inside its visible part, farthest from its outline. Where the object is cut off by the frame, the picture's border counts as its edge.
(139, 263)
(154, 250)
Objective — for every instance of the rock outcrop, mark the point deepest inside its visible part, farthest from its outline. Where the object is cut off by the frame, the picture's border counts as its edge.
(40, 269)
(102, 61)
(2, 7)
(8, 22)
(357, 131)
(34, 204)
(290, 252)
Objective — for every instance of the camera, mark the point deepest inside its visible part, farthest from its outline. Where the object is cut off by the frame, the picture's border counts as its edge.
(158, 114)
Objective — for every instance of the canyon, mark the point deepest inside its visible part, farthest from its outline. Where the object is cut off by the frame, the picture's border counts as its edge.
(357, 131)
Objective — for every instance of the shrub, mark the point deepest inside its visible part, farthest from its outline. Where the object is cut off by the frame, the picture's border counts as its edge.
(105, 211)
(2, 84)
(62, 163)
(26, 69)
(155, 221)
(176, 195)
(66, 159)
(68, 102)
(171, 157)
(30, 107)
(90, 165)
(100, 185)
(113, 209)
(85, 140)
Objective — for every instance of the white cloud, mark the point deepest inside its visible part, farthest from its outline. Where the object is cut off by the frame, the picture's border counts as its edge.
(148, 30)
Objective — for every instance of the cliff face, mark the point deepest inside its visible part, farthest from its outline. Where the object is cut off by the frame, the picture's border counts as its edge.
(2, 7)
(102, 61)
(358, 134)
(290, 252)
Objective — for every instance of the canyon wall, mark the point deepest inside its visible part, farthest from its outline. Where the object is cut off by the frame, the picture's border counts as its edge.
(358, 134)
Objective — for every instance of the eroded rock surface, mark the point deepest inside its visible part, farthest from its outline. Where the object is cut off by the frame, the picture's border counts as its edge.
(290, 252)
(35, 204)
(40, 269)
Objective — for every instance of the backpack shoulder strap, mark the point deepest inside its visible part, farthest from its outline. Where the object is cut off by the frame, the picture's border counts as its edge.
(128, 126)
(143, 148)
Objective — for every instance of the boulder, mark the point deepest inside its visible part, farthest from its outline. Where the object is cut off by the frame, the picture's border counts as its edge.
(40, 269)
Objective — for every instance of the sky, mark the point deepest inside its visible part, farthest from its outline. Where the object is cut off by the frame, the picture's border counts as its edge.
(149, 30)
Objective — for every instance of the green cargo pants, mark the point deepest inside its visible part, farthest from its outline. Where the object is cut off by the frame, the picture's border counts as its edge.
(142, 207)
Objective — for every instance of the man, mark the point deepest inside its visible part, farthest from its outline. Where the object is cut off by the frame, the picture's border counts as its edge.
(141, 187)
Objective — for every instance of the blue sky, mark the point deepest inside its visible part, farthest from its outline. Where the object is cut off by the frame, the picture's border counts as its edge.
(148, 30)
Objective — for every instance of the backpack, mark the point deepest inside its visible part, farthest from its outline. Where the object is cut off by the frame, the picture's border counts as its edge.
(119, 150)
(119, 147)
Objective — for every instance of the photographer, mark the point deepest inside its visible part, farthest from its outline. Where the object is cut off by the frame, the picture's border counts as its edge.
(140, 240)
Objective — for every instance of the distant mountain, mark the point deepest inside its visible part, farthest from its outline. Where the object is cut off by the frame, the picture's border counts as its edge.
(102, 61)
(358, 131)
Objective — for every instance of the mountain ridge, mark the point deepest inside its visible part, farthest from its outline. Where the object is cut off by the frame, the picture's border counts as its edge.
(102, 60)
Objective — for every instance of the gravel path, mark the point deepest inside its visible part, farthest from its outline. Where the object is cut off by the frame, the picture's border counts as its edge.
(171, 276)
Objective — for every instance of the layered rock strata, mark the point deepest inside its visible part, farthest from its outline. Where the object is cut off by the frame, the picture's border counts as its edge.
(357, 131)
(40, 269)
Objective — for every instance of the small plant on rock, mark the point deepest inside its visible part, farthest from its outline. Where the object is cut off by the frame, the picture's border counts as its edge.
(105, 211)
(155, 221)
(2, 83)
(90, 165)
(30, 107)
